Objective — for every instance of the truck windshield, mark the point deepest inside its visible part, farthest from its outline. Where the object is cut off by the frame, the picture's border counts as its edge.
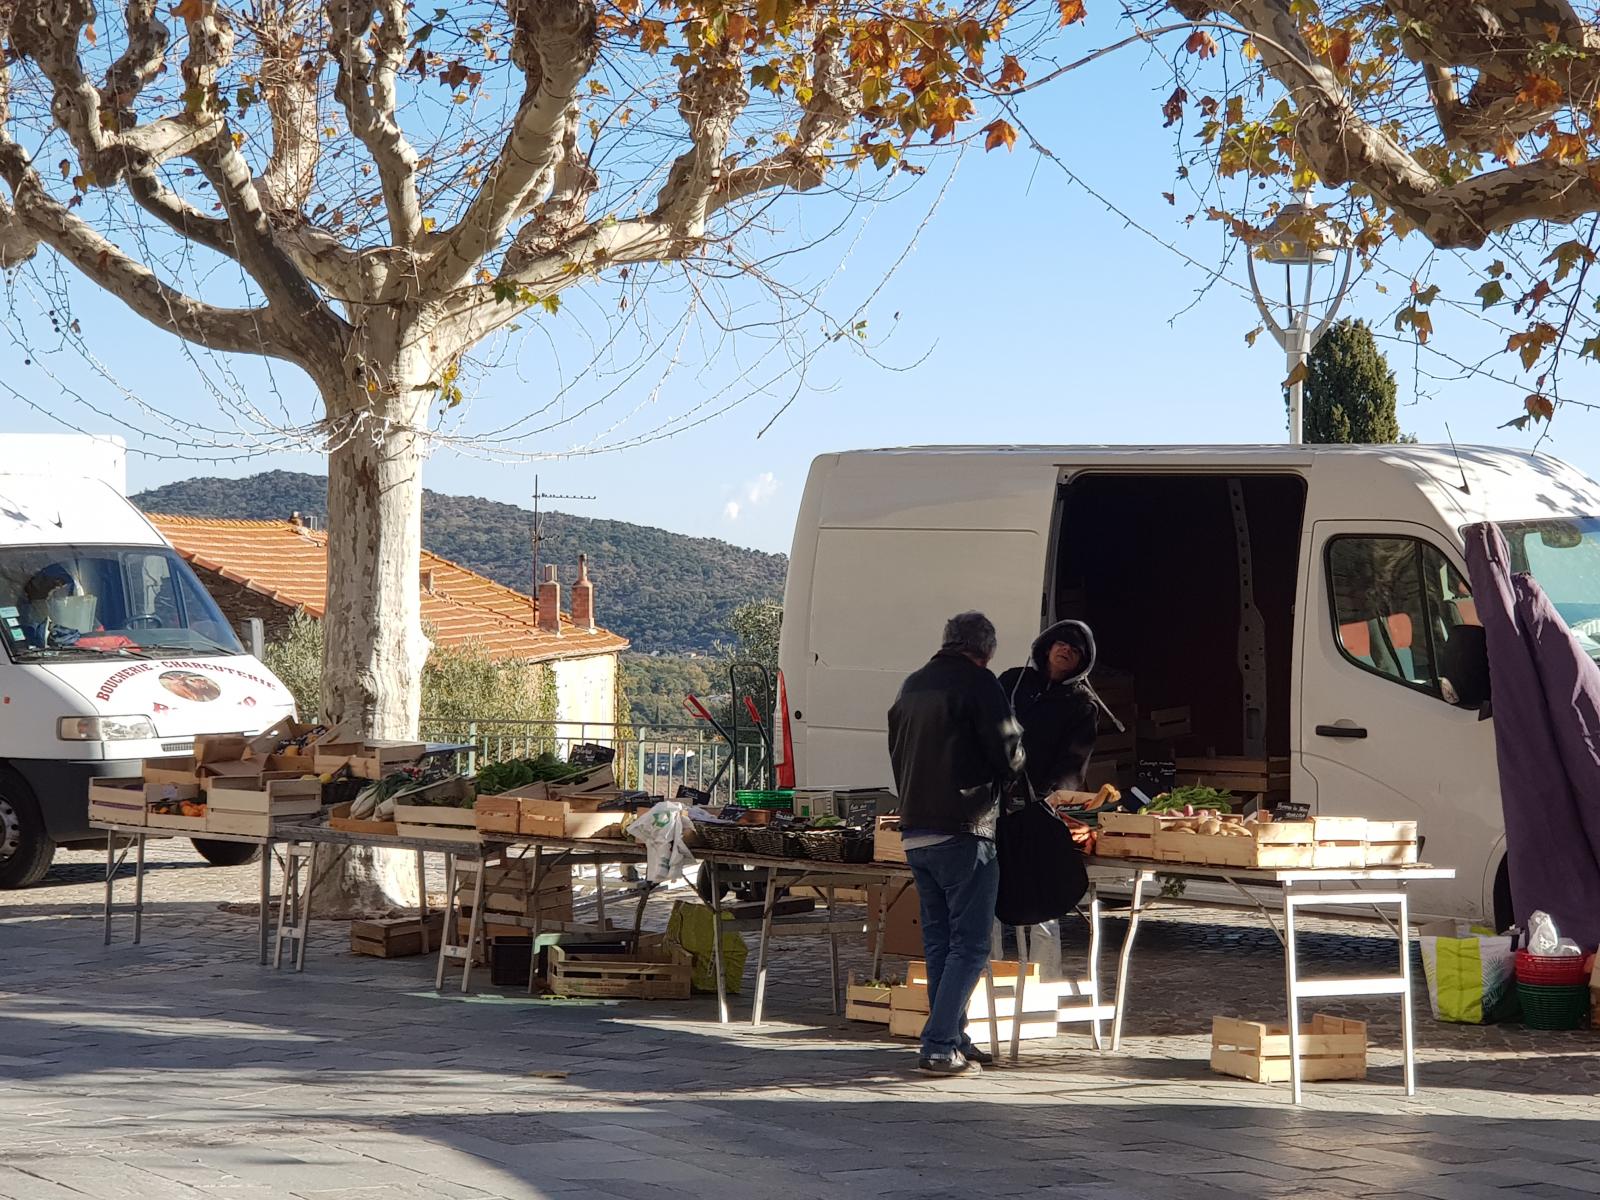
(1563, 554)
(84, 601)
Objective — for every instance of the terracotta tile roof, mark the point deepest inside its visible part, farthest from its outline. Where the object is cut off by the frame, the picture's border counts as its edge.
(289, 564)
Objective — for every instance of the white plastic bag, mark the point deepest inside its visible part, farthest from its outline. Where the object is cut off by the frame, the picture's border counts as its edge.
(660, 831)
(1545, 939)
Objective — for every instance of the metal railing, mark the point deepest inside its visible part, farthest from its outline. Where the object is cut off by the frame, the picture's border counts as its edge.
(657, 759)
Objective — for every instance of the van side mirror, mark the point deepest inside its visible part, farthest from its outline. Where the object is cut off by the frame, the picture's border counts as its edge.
(1465, 663)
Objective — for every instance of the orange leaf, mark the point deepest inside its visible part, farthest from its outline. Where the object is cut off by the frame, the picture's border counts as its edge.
(1011, 72)
(1202, 43)
(1339, 46)
(90, 36)
(1298, 375)
(1071, 10)
(190, 10)
(1540, 408)
(652, 35)
(999, 134)
(1540, 91)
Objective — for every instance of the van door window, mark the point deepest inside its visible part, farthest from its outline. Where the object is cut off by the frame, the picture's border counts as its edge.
(1395, 602)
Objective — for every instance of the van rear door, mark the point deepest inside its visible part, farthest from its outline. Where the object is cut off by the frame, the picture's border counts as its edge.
(1377, 735)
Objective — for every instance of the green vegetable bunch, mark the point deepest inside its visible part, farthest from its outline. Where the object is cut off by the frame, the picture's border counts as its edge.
(1196, 797)
(520, 772)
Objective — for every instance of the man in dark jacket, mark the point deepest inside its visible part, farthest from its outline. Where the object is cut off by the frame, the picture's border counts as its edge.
(954, 745)
(1058, 710)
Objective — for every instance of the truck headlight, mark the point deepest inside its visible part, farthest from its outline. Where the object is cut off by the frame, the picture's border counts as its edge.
(105, 729)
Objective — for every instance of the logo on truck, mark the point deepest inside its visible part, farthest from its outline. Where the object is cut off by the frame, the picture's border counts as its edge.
(191, 685)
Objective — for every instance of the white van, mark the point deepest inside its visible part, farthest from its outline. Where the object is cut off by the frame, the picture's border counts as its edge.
(1297, 599)
(113, 651)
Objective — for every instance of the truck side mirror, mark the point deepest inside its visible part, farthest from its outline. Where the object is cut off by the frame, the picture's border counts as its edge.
(1465, 663)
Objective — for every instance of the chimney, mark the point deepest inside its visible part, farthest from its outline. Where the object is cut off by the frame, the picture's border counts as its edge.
(294, 519)
(550, 602)
(427, 582)
(583, 597)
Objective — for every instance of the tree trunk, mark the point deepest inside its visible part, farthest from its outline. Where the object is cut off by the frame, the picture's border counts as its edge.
(373, 645)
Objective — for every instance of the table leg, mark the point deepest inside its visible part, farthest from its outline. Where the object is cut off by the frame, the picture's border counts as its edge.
(994, 1017)
(447, 930)
(1094, 963)
(1125, 959)
(264, 915)
(303, 927)
(138, 890)
(833, 949)
(1291, 972)
(716, 941)
(422, 895)
(761, 951)
(1022, 983)
(600, 895)
(885, 901)
(475, 926)
(111, 874)
(1407, 1027)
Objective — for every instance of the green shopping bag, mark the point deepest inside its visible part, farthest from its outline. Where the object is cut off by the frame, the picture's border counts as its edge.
(1471, 972)
(690, 927)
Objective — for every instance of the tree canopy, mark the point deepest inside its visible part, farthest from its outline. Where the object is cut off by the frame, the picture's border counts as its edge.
(1350, 390)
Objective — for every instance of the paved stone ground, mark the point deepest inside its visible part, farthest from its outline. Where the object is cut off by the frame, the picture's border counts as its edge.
(182, 1069)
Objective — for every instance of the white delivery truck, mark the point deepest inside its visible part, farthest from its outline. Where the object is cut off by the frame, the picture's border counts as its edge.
(113, 651)
(1297, 600)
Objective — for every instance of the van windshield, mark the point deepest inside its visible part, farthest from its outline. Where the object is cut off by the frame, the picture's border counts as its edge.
(86, 601)
(1563, 554)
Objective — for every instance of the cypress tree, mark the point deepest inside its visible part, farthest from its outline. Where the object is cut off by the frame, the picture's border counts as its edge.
(1349, 389)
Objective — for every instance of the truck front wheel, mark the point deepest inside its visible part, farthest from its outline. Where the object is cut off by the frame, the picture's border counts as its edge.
(226, 854)
(25, 848)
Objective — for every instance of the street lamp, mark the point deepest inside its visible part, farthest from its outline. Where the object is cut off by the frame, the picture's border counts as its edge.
(1285, 242)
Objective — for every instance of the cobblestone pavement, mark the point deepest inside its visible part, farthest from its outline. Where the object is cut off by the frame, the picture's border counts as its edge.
(180, 1068)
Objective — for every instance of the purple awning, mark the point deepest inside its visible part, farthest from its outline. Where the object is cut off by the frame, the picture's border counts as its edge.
(1546, 695)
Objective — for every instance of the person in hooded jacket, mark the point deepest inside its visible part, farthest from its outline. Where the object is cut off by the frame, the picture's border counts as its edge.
(1058, 710)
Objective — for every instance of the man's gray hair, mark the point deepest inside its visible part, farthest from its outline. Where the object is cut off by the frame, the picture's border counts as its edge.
(970, 633)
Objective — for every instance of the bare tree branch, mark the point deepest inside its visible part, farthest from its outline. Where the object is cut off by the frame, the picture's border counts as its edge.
(555, 43)
(290, 85)
(370, 60)
(711, 95)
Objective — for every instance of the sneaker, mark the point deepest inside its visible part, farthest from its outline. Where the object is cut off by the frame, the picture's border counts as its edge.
(954, 1064)
(973, 1055)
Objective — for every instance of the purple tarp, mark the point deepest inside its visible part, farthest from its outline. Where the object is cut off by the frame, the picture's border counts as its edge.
(1546, 695)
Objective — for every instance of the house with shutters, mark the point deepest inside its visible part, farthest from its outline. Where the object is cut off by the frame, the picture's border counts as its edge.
(271, 569)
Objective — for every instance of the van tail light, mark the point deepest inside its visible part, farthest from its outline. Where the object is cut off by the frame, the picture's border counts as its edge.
(783, 739)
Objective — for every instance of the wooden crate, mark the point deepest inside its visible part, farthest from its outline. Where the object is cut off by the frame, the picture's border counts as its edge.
(435, 823)
(178, 824)
(1127, 835)
(886, 843)
(867, 1002)
(182, 772)
(908, 1004)
(378, 760)
(125, 801)
(235, 806)
(1330, 1048)
(516, 874)
(1242, 776)
(497, 814)
(339, 818)
(661, 971)
(1272, 846)
(396, 937)
(1341, 842)
(1392, 843)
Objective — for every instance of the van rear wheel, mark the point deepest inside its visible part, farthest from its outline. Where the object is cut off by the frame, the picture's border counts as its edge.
(1504, 916)
(25, 848)
(226, 854)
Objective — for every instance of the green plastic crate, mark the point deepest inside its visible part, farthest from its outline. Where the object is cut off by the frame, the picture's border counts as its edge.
(782, 799)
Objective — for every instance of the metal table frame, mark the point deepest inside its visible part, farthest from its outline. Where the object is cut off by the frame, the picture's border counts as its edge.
(1292, 886)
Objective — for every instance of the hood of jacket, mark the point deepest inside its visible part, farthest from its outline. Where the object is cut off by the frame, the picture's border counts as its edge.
(1073, 632)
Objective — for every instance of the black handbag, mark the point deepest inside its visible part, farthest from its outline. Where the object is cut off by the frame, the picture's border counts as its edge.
(1042, 876)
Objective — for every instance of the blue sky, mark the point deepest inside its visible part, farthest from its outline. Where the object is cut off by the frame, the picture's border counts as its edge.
(1026, 312)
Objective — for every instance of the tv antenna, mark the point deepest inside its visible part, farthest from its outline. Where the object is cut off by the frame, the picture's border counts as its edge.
(538, 532)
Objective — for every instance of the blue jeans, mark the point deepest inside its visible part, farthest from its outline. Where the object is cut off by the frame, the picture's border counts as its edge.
(956, 882)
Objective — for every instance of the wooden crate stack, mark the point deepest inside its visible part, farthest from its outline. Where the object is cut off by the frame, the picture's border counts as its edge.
(1330, 1048)
(908, 1003)
(446, 817)
(397, 937)
(1244, 777)
(657, 970)
(511, 905)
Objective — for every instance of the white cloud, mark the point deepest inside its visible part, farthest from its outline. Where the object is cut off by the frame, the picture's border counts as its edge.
(730, 510)
(762, 488)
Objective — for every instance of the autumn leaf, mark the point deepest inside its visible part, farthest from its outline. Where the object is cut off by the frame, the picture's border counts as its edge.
(1540, 408)
(1011, 72)
(190, 10)
(1250, 50)
(652, 35)
(1339, 46)
(999, 133)
(1299, 375)
(1202, 43)
(1491, 293)
(90, 36)
(1540, 91)
(1420, 322)
(1071, 10)
(1172, 110)
(1531, 344)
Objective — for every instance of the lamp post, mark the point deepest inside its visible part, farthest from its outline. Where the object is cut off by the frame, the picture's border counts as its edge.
(1285, 242)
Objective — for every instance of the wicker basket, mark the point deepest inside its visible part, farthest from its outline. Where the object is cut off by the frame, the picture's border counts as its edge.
(728, 838)
(1554, 1006)
(774, 843)
(837, 845)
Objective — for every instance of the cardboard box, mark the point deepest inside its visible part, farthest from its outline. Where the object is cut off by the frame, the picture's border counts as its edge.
(181, 771)
(902, 927)
(220, 747)
(268, 742)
